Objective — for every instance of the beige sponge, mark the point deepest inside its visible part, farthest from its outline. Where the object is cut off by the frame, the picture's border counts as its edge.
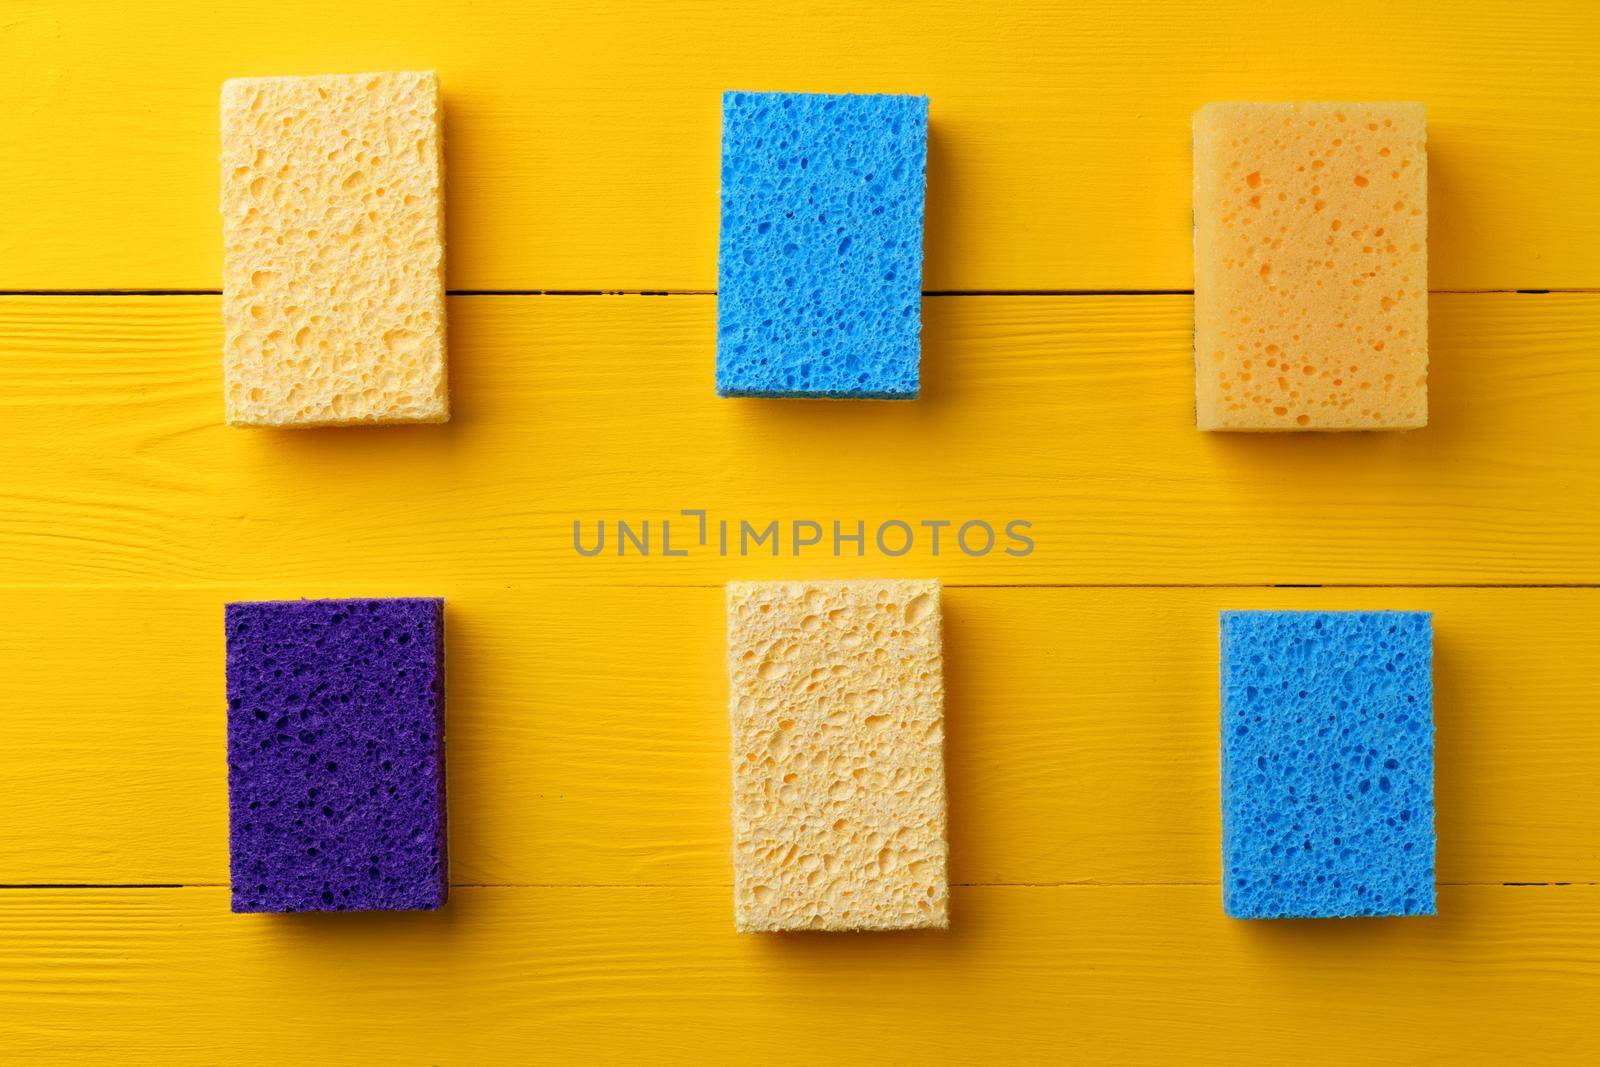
(333, 250)
(837, 704)
(1311, 266)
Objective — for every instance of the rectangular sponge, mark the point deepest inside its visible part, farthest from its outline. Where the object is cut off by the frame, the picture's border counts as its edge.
(1327, 763)
(837, 703)
(333, 250)
(819, 272)
(336, 797)
(1311, 267)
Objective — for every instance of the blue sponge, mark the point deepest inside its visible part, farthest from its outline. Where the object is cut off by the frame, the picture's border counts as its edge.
(819, 279)
(1327, 763)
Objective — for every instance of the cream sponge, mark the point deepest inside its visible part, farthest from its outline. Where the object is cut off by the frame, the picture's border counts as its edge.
(1311, 266)
(333, 250)
(837, 706)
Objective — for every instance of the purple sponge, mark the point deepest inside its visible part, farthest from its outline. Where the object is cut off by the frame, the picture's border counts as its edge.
(336, 755)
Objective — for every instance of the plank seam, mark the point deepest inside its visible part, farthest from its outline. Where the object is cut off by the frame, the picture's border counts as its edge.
(473, 584)
(931, 293)
(1091, 884)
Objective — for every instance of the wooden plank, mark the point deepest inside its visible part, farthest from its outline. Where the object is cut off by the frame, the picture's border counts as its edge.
(1026, 974)
(588, 738)
(1074, 414)
(582, 136)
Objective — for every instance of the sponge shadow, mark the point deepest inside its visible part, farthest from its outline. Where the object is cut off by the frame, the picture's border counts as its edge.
(1458, 760)
(942, 210)
(341, 931)
(317, 944)
(1287, 944)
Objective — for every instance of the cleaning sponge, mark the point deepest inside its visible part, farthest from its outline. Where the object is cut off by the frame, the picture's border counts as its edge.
(1327, 763)
(819, 281)
(1311, 266)
(333, 250)
(336, 754)
(837, 706)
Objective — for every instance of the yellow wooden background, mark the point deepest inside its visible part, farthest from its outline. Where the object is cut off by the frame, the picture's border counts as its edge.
(591, 915)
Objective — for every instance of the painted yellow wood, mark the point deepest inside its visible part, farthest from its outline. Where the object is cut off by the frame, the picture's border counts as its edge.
(582, 136)
(1130, 974)
(1074, 414)
(587, 733)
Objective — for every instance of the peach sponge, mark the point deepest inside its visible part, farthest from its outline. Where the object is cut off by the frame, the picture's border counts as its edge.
(333, 250)
(837, 705)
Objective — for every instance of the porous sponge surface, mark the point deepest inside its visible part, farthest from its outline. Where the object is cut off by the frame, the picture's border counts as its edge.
(333, 240)
(336, 795)
(1327, 763)
(819, 279)
(1311, 266)
(837, 705)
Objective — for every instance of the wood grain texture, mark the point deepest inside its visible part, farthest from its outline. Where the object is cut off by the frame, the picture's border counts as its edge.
(1075, 414)
(587, 740)
(1135, 974)
(587, 732)
(582, 137)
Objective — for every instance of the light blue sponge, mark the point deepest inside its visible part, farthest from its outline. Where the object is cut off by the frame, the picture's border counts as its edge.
(1327, 763)
(819, 273)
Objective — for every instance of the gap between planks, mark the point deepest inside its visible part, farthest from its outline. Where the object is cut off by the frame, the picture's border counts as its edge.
(1090, 884)
(576, 584)
(932, 293)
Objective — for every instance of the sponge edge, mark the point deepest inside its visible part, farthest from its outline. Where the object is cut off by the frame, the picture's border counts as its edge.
(1327, 763)
(819, 284)
(333, 250)
(1311, 266)
(336, 782)
(836, 702)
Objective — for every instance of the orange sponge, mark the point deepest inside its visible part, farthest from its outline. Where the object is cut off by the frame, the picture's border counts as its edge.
(1311, 267)
(333, 250)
